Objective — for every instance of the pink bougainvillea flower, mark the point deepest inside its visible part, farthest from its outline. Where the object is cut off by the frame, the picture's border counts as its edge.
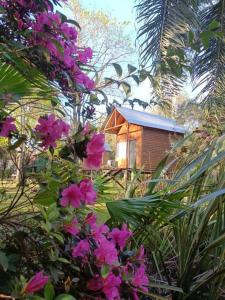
(86, 55)
(88, 193)
(106, 253)
(63, 127)
(93, 161)
(82, 79)
(6, 126)
(52, 48)
(68, 31)
(72, 228)
(95, 149)
(140, 279)
(50, 130)
(109, 286)
(135, 295)
(120, 237)
(46, 19)
(98, 231)
(36, 283)
(71, 196)
(81, 249)
(96, 144)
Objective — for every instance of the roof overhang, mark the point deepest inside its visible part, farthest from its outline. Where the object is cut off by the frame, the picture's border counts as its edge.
(113, 122)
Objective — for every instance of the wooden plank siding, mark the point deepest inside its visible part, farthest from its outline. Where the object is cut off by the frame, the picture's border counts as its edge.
(156, 144)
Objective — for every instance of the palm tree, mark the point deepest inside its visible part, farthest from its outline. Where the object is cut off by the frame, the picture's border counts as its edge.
(182, 37)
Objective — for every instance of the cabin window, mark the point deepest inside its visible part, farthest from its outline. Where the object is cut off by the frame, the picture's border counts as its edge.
(121, 150)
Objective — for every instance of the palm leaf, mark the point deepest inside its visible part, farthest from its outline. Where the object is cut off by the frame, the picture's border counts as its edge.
(209, 64)
(163, 27)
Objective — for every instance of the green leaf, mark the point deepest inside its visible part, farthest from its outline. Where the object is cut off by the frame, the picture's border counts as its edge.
(136, 79)
(48, 196)
(105, 269)
(131, 69)
(166, 287)
(63, 260)
(118, 69)
(214, 25)
(65, 152)
(190, 36)
(205, 37)
(62, 16)
(74, 23)
(126, 87)
(156, 175)
(65, 297)
(3, 261)
(2, 10)
(49, 291)
(52, 212)
(34, 297)
(58, 236)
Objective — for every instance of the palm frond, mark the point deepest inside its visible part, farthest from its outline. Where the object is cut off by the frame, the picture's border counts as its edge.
(209, 64)
(21, 77)
(163, 28)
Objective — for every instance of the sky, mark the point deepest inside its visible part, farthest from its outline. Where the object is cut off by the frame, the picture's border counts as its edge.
(123, 10)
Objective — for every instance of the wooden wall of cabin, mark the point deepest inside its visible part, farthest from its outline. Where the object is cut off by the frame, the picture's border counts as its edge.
(135, 133)
(156, 144)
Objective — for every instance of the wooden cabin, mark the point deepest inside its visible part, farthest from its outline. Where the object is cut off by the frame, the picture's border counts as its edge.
(143, 139)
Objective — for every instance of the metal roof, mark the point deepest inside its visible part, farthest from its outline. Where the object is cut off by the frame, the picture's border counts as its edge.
(149, 120)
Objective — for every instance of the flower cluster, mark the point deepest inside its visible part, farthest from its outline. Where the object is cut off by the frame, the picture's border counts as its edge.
(75, 194)
(7, 126)
(97, 245)
(94, 151)
(50, 130)
(94, 243)
(116, 272)
(64, 52)
(48, 30)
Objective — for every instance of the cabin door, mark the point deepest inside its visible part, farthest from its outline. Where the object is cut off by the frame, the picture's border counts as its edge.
(131, 153)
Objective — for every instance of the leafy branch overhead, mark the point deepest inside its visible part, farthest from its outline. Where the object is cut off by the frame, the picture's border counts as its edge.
(178, 38)
(125, 81)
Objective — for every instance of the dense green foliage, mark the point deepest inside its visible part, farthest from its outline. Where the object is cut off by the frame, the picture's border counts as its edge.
(182, 224)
